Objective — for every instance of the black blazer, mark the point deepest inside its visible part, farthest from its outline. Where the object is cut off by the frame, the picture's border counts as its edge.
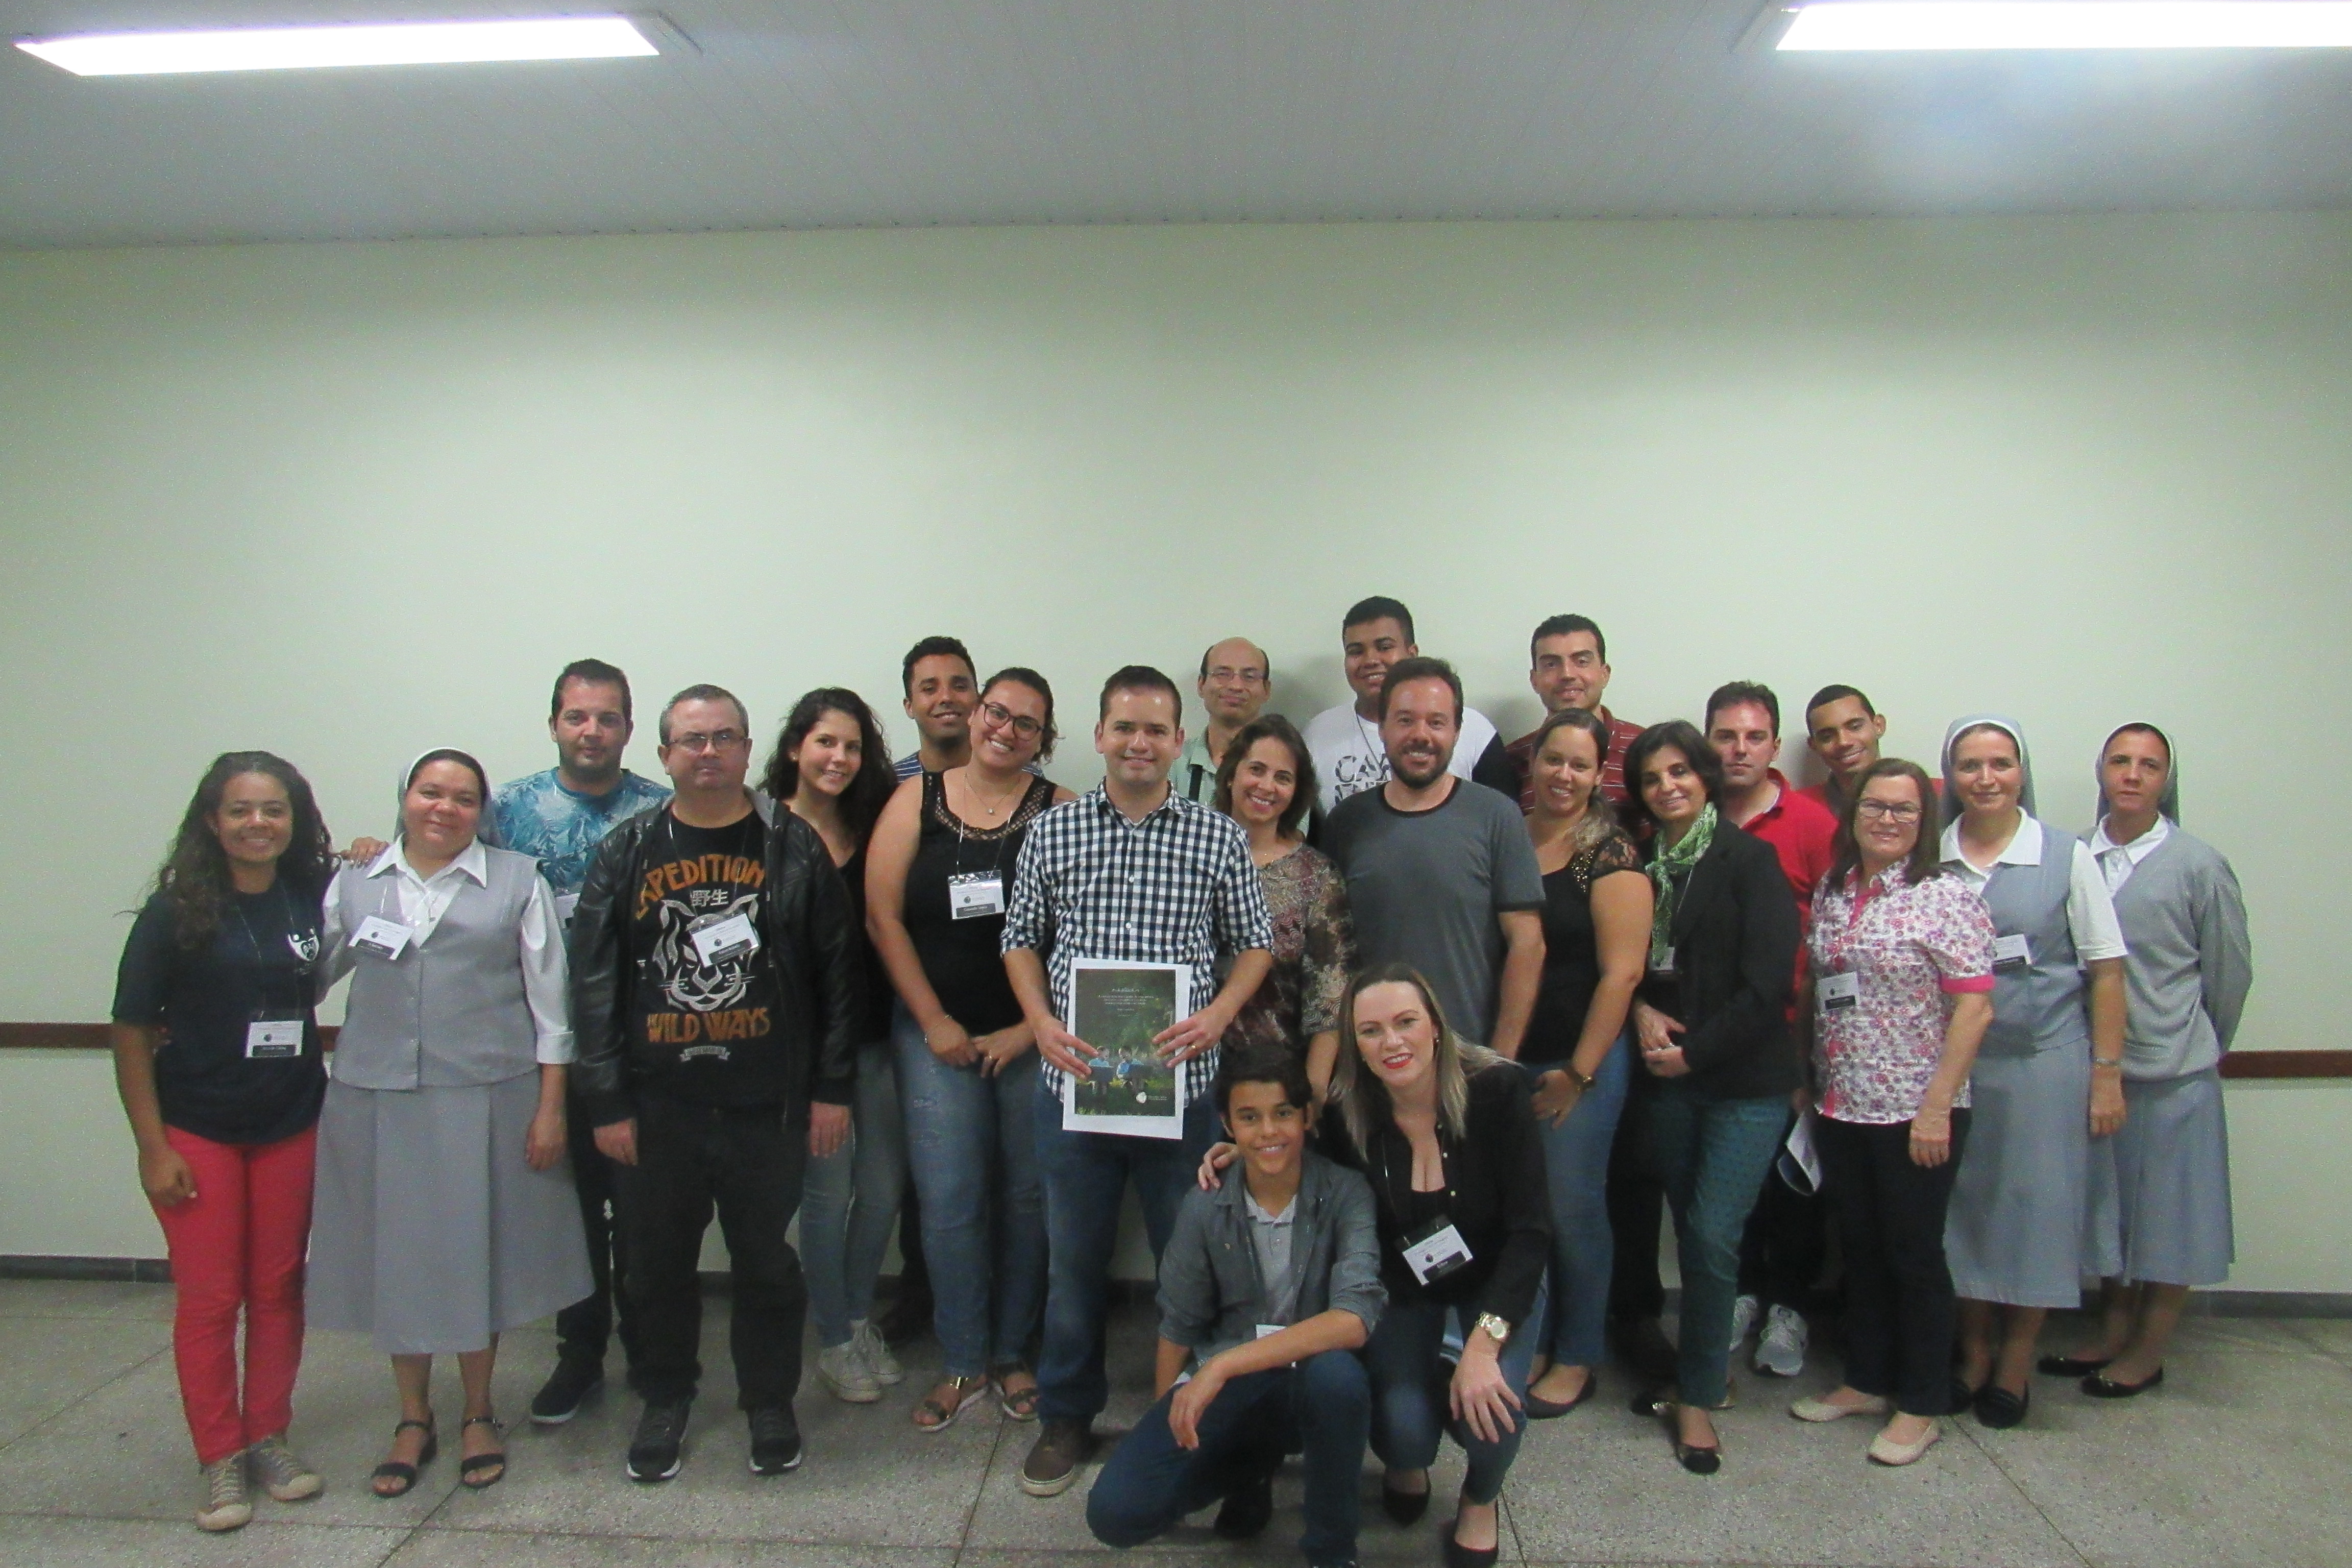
(1735, 935)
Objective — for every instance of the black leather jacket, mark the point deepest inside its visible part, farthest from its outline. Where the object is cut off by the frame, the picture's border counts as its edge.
(807, 931)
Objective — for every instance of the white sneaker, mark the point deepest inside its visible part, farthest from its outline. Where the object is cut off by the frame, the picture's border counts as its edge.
(1780, 1350)
(225, 1505)
(875, 1350)
(1743, 1321)
(281, 1472)
(844, 1372)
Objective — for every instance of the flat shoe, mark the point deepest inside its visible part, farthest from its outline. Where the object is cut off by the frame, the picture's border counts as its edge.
(1405, 1508)
(1823, 1410)
(1460, 1556)
(1885, 1450)
(2069, 1366)
(2000, 1409)
(1698, 1460)
(2099, 1387)
(1552, 1409)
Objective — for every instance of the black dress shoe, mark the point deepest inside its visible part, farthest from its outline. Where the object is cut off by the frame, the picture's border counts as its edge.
(2070, 1365)
(2000, 1409)
(1460, 1556)
(2099, 1387)
(1405, 1508)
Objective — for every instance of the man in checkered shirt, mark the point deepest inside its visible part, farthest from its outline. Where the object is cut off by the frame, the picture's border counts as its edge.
(1132, 872)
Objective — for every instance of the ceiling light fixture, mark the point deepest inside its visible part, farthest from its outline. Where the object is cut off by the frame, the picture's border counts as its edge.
(390, 44)
(1875, 24)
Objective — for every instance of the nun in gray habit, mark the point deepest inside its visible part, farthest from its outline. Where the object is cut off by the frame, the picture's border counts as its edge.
(2020, 1234)
(444, 1211)
(2162, 1184)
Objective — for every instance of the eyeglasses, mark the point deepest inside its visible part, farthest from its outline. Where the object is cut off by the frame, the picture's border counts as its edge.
(1026, 727)
(717, 741)
(1890, 811)
(1246, 677)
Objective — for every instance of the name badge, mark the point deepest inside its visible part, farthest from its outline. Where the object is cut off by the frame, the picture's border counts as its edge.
(1839, 992)
(385, 939)
(564, 904)
(974, 894)
(726, 938)
(273, 1040)
(2012, 952)
(1669, 966)
(1437, 1255)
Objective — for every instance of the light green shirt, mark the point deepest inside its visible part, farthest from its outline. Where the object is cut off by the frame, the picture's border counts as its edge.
(1194, 776)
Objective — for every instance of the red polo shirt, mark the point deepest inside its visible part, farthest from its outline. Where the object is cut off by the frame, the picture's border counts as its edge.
(1802, 831)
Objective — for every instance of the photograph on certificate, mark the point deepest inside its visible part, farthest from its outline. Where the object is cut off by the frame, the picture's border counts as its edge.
(1118, 1009)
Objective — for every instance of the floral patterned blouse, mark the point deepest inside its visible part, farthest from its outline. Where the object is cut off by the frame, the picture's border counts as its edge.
(1914, 945)
(1313, 951)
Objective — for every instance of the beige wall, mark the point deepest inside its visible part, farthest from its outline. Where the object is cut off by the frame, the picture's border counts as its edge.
(349, 501)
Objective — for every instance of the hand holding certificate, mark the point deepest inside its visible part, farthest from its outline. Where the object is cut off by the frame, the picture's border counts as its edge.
(1125, 1017)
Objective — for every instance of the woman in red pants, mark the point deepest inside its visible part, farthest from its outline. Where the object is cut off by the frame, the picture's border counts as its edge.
(216, 1056)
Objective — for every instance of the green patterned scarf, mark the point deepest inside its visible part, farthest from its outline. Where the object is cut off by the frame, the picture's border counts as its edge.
(1669, 869)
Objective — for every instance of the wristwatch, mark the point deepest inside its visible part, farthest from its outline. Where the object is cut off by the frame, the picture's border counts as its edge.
(1583, 1080)
(1497, 1330)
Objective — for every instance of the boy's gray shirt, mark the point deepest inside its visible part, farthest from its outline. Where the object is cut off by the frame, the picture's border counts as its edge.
(1211, 1298)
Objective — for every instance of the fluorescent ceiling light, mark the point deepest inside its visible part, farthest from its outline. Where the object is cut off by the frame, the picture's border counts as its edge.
(394, 43)
(1860, 25)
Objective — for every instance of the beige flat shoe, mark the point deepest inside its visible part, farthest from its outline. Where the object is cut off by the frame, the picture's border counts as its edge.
(1885, 1450)
(1823, 1410)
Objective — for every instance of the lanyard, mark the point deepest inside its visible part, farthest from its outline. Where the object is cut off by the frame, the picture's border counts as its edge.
(302, 965)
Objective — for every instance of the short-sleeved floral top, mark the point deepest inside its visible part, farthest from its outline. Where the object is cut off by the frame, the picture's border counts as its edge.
(1914, 945)
(1314, 951)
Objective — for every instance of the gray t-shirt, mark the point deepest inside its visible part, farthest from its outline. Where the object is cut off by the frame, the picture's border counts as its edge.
(1270, 1237)
(1425, 886)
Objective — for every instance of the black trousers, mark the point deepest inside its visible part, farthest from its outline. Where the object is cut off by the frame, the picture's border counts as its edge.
(747, 1164)
(585, 1327)
(1785, 1243)
(1899, 1310)
(1636, 1208)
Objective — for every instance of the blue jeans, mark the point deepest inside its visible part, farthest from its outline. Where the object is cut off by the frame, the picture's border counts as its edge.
(1087, 1175)
(851, 1200)
(1322, 1406)
(1411, 1383)
(974, 1150)
(1713, 1156)
(1583, 1249)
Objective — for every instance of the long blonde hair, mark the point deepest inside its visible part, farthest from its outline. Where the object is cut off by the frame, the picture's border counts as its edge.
(1363, 1100)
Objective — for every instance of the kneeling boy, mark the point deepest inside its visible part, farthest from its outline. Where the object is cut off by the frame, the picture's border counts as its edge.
(1272, 1281)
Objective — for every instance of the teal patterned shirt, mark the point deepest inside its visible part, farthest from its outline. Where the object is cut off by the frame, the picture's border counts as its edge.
(538, 815)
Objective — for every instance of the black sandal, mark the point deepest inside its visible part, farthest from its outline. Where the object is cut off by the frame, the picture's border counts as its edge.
(470, 1468)
(405, 1474)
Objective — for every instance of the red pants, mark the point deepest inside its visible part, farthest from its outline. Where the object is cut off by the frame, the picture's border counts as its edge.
(239, 1244)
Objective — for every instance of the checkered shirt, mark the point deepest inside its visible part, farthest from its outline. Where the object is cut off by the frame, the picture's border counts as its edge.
(1176, 888)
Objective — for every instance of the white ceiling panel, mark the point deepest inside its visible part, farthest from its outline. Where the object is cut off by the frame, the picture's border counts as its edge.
(792, 113)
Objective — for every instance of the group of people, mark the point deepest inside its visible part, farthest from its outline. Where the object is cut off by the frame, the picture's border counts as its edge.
(1465, 1016)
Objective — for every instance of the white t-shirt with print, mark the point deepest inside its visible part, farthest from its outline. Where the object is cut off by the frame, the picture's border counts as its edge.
(1350, 758)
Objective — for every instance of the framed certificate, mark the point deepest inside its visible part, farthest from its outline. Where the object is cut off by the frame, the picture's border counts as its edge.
(1118, 1008)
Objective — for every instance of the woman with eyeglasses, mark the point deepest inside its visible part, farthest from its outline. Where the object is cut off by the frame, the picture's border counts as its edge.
(2048, 1080)
(216, 1057)
(1899, 994)
(1712, 1021)
(444, 1215)
(939, 875)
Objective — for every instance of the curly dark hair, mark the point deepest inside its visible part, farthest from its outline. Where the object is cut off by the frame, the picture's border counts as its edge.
(194, 875)
(869, 791)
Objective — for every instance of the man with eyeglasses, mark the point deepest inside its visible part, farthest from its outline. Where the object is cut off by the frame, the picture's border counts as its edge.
(1236, 680)
(1788, 1231)
(714, 976)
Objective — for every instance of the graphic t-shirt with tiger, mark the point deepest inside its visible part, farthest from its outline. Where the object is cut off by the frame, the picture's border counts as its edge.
(706, 993)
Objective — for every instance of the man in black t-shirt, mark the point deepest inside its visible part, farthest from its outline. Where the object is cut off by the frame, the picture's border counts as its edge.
(714, 976)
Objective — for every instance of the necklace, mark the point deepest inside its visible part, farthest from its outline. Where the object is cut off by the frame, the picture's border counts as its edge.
(1021, 786)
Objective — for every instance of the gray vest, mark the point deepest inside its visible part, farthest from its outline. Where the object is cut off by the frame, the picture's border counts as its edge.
(451, 1010)
(2040, 1005)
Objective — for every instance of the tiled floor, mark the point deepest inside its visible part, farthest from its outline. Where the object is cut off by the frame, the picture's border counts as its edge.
(2242, 1458)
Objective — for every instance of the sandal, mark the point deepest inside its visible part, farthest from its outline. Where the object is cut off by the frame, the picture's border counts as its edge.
(400, 1470)
(963, 1392)
(471, 1467)
(1018, 1404)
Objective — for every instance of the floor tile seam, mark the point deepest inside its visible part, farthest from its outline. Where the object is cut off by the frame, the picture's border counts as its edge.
(1977, 1442)
(558, 1532)
(86, 1396)
(980, 1488)
(279, 1520)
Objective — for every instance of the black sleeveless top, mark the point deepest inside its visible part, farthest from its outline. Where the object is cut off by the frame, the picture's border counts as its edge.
(961, 959)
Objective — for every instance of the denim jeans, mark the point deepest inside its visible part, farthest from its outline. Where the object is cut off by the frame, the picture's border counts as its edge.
(972, 1142)
(1411, 1379)
(1322, 1406)
(747, 1164)
(851, 1200)
(1713, 1156)
(1576, 1162)
(1087, 1175)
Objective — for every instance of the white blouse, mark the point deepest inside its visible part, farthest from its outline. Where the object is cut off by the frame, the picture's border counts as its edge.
(2090, 907)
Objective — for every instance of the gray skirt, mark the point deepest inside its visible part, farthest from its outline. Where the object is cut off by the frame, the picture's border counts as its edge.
(2020, 1230)
(428, 1230)
(2162, 1184)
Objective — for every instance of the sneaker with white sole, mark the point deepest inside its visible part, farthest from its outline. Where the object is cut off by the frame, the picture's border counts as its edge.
(842, 1370)
(281, 1472)
(1781, 1349)
(875, 1352)
(226, 1504)
(1743, 1321)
